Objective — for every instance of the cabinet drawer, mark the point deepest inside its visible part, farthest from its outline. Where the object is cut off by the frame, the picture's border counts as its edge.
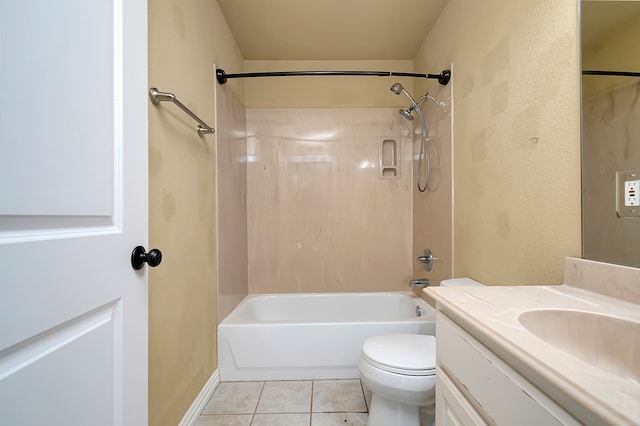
(500, 394)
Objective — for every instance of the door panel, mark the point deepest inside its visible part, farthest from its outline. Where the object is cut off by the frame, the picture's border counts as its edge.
(51, 358)
(60, 69)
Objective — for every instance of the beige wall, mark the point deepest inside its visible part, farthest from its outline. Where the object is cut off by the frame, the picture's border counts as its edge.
(614, 51)
(325, 92)
(185, 39)
(320, 217)
(516, 136)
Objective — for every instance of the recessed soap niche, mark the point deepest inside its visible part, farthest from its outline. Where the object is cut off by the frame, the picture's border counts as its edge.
(389, 154)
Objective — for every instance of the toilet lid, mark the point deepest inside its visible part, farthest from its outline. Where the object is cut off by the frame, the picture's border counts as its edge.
(410, 354)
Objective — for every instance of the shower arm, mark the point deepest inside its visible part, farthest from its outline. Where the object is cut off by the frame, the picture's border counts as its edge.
(427, 96)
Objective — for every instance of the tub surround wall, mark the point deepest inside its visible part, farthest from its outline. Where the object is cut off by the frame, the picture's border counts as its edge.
(319, 217)
(185, 39)
(432, 209)
(316, 92)
(231, 182)
(516, 157)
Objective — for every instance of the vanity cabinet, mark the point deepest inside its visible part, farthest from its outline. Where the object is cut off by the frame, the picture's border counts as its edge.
(475, 387)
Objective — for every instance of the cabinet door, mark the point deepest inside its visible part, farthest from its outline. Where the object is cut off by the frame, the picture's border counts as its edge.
(499, 392)
(452, 408)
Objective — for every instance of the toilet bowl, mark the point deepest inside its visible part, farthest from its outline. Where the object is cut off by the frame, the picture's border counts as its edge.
(399, 371)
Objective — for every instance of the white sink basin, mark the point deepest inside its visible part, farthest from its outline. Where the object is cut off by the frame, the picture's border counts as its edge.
(606, 342)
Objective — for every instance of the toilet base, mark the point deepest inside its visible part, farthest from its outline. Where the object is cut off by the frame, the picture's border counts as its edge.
(384, 412)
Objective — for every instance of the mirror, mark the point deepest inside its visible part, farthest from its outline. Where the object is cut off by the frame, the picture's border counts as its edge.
(610, 31)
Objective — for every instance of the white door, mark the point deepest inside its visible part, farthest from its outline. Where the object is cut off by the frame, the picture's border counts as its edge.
(73, 205)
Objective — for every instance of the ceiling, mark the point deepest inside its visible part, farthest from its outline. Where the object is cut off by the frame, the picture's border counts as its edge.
(330, 29)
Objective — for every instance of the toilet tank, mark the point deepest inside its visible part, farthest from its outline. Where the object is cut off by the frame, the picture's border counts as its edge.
(459, 282)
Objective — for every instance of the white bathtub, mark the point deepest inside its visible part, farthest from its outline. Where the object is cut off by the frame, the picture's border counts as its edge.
(312, 336)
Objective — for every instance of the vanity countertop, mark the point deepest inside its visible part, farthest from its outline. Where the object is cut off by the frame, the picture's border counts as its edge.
(491, 313)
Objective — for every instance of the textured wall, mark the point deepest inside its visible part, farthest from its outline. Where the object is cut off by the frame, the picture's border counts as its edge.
(325, 92)
(616, 50)
(185, 39)
(320, 218)
(516, 135)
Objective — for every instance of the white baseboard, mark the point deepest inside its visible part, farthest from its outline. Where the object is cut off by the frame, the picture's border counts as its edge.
(192, 414)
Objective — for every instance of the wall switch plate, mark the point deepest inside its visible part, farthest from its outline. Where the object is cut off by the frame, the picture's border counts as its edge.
(628, 193)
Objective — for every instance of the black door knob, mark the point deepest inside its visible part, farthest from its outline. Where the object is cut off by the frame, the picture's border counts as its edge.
(139, 257)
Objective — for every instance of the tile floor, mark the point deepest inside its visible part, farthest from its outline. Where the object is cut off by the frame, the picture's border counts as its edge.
(286, 403)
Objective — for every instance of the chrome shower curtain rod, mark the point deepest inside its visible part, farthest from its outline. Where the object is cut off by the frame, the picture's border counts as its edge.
(614, 73)
(443, 78)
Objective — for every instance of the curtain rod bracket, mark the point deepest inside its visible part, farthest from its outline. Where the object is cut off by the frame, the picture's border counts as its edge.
(221, 76)
(443, 78)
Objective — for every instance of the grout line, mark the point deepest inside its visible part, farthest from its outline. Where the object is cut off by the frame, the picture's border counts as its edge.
(364, 396)
(311, 406)
(255, 409)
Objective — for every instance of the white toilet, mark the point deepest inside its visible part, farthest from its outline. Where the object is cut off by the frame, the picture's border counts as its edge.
(400, 372)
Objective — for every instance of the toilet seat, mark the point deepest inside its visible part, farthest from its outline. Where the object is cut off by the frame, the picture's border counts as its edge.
(406, 354)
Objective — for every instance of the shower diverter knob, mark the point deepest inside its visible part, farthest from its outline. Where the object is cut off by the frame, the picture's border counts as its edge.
(426, 259)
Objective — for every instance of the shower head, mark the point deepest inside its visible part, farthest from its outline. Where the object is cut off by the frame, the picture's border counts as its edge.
(406, 113)
(397, 88)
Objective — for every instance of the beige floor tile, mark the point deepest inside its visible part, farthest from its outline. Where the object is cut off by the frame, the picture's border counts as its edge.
(285, 397)
(339, 419)
(337, 396)
(224, 420)
(281, 420)
(234, 398)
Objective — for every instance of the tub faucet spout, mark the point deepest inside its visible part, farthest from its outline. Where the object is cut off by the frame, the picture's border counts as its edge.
(421, 283)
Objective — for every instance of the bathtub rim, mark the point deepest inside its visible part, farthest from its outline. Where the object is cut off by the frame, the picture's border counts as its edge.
(228, 320)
